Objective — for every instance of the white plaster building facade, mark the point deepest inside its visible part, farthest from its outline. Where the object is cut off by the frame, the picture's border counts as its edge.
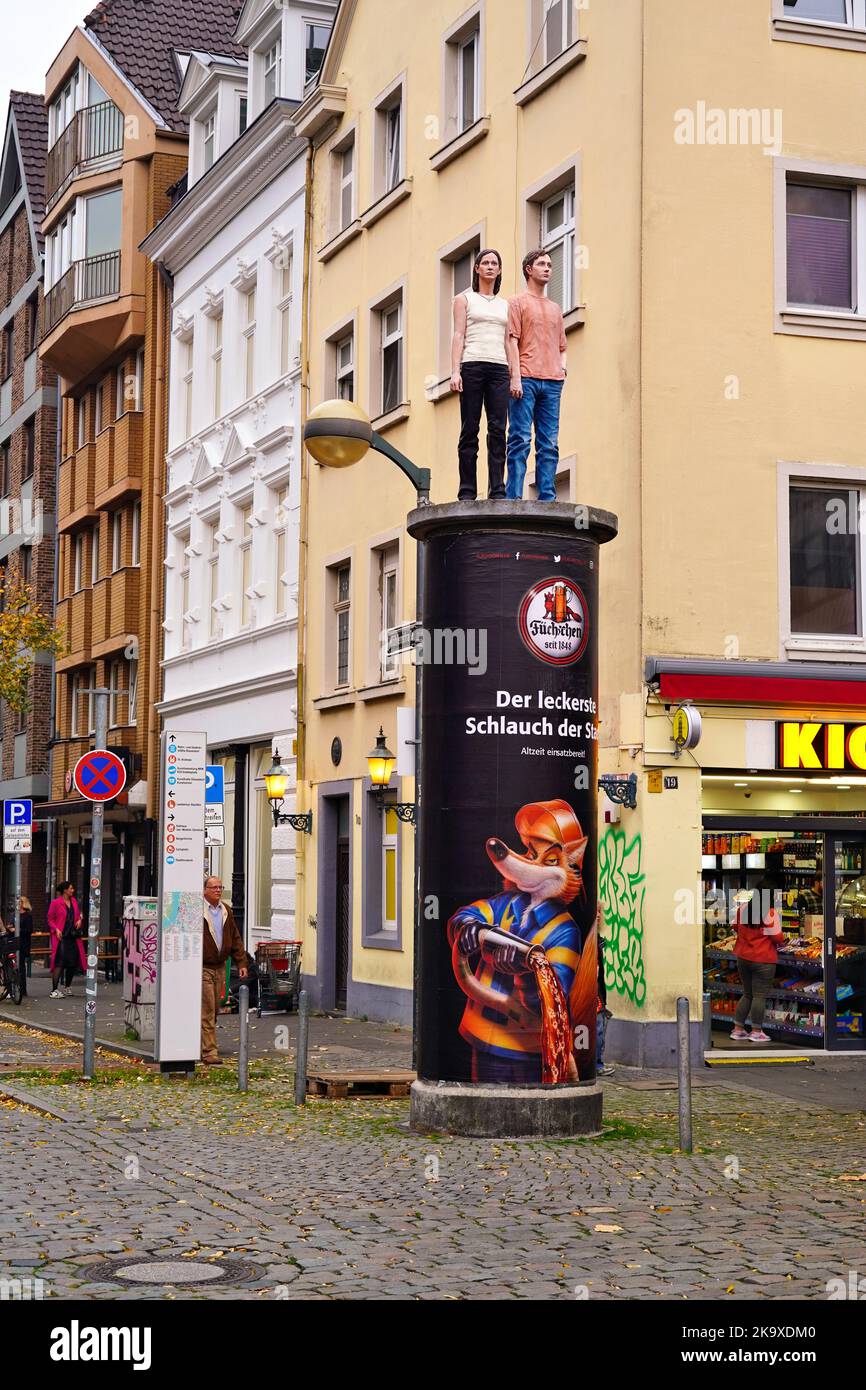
(233, 245)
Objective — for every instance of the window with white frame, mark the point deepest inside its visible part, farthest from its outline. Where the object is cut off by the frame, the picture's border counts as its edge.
(213, 571)
(558, 28)
(248, 338)
(346, 157)
(393, 123)
(81, 705)
(848, 12)
(242, 112)
(825, 559)
(820, 223)
(558, 239)
(115, 693)
(342, 614)
(187, 384)
(271, 69)
(216, 359)
(78, 562)
(344, 353)
(285, 272)
(281, 554)
(389, 662)
(391, 330)
(468, 50)
(120, 391)
(246, 557)
(81, 421)
(94, 555)
(132, 695)
(183, 590)
(390, 839)
(315, 42)
(136, 533)
(64, 106)
(388, 136)
(116, 541)
(209, 141)
(461, 270)
(139, 379)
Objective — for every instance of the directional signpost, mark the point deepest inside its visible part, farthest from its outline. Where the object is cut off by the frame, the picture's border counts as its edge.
(17, 840)
(99, 776)
(181, 904)
(214, 805)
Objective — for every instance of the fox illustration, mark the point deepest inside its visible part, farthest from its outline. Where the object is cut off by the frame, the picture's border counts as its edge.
(502, 1019)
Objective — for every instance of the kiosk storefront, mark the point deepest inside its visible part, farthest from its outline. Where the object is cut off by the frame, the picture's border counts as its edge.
(775, 793)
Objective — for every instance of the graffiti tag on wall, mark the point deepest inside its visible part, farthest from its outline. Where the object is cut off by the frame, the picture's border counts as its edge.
(621, 890)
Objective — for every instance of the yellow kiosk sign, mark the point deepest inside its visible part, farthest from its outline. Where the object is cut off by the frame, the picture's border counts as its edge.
(818, 746)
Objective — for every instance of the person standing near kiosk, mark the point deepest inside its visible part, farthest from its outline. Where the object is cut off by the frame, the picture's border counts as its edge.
(480, 375)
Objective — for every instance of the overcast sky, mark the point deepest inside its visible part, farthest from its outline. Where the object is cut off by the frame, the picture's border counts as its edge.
(33, 33)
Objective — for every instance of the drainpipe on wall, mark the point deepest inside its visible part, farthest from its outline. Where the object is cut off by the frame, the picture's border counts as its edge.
(301, 762)
(164, 288)
(51, 876)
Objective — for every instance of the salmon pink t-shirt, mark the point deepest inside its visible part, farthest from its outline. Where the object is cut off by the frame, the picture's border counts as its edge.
(536, 323)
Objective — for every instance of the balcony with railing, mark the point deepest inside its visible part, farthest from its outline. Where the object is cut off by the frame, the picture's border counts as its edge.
(97, 277)
(93, 135)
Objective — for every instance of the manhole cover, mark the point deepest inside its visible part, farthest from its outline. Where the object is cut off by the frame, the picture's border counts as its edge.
(172, 1272)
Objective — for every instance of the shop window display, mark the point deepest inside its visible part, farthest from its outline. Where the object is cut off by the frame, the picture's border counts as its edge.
(819, 989)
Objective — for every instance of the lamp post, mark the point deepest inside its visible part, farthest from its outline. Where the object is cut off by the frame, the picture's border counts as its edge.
(380, 761)
(276, 782)
(339, 434)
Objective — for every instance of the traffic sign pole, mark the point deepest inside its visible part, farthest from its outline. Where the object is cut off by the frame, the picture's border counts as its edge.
(100, 695)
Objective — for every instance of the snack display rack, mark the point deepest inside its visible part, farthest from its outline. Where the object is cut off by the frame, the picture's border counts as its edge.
(796, 1003)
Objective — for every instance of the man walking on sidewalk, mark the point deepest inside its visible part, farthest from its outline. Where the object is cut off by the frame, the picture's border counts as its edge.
(537, 359)
(221, 940)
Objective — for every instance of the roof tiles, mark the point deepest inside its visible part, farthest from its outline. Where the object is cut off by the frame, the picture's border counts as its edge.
(142, 37)
(31, 124)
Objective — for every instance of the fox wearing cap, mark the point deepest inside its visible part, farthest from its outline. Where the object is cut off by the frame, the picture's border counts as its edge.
(502, 1020)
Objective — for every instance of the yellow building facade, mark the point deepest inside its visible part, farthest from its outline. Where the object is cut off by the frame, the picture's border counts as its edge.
(696, 175)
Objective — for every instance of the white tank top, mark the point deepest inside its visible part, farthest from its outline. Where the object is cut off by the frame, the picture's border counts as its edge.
(486, 326)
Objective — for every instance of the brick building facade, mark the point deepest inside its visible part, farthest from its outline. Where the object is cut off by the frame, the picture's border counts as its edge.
(116, 147)
(28, 468)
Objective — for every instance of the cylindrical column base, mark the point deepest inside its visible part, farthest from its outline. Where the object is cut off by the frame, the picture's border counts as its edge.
(504, 1112)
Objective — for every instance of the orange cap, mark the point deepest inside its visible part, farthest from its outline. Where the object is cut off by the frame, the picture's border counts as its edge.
(556, 822)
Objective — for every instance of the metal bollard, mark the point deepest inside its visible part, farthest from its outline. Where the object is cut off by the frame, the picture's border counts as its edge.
(244, 1042)
(301, 1053)
(684, 1075)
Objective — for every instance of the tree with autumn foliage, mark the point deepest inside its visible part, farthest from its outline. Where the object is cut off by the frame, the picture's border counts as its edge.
(24, 630)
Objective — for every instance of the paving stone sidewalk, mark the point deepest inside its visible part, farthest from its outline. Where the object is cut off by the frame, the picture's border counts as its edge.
(339, 1200)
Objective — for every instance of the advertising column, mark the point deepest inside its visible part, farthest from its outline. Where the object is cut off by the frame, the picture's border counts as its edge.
(507, 931)
(178, 1020)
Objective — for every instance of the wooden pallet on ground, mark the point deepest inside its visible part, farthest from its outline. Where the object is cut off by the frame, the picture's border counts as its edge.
(341, 1085)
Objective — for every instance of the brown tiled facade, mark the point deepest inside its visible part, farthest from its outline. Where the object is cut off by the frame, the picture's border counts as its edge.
(28, 467)
(107, 331)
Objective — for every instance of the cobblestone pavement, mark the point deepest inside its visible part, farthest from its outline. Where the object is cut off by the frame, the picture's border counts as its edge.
(349, 1042)
(339, 1200)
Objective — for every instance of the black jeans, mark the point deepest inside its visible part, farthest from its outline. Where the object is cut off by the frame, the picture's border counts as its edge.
(484, 384)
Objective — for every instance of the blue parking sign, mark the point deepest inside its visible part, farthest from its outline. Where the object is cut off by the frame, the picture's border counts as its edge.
(17, 815)
(214, 785)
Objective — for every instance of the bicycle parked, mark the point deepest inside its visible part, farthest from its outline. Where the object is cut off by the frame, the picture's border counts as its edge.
(11, 983)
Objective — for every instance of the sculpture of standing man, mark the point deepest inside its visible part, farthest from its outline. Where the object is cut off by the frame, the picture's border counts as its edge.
(538, 366)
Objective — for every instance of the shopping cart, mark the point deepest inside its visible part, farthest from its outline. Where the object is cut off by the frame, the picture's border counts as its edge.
(279, 969)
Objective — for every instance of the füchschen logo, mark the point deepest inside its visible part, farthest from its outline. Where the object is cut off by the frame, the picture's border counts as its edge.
(77, 1343)
(552, 621)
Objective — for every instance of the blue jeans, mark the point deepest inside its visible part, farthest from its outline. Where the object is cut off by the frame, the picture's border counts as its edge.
(539, 406)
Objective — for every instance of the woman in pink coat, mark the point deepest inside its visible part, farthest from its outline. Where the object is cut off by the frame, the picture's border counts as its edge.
(67, 948)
